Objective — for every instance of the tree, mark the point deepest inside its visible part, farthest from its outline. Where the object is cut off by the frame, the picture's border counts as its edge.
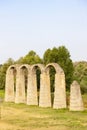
(80, 74)
(61, 56)
(30, 58)
(3, 70)
(19, 61)
(46, 56)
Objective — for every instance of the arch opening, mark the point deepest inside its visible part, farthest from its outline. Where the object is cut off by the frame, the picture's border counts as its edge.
(51, 71)
(24, 73)
(37, 72)
(14, 73)
(10, 84)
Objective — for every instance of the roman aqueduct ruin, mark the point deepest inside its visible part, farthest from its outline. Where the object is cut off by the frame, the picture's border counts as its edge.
(15, 86)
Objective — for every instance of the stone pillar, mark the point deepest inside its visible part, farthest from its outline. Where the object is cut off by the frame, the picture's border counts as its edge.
(45, 93)
(32, 98)
(20, 87)
(9, 86)
(76, 103)
(60, 91)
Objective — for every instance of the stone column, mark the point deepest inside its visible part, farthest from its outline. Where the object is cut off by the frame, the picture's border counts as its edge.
(76, 103)
(32, 98)
(9, 86)
(45, 93)
(20, 87)
(60, 91)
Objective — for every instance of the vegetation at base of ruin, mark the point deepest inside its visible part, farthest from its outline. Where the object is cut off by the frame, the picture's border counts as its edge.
(84, 97)
(60, 55)
(24, 117)
(2, 94)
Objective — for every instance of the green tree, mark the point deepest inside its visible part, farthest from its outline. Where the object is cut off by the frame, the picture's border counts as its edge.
(19, 61)
(3, 70)
(46, 56)
(80, 74)
(30, 58)
(61, 56)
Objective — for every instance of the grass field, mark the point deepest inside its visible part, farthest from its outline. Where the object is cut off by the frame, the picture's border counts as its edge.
(23, 117)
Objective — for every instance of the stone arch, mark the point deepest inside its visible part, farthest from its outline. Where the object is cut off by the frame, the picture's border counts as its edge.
(41, 66)
(20, 83)
(10, 83)
(32, 98)
(45, 97)
(56, 66)
(59, 94)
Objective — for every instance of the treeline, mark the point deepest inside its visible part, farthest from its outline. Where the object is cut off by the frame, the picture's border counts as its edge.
(59, 55)
(80, 74)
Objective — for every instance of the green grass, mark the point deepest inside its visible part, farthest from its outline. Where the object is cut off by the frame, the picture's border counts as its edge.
(2, 93)
(24, 117)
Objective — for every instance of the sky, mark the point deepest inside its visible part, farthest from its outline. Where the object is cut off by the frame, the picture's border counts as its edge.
(37, 25)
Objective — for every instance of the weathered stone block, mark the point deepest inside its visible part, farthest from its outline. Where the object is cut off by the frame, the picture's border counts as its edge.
(76, 103)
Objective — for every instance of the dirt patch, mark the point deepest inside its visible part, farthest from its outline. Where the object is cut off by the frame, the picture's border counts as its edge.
(5, 126)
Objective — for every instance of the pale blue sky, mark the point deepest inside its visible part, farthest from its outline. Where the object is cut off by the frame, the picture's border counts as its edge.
(41, 24)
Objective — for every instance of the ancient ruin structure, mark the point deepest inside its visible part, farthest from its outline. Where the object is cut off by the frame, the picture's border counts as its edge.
(19, 89)
(76, 103)
(15, 85)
